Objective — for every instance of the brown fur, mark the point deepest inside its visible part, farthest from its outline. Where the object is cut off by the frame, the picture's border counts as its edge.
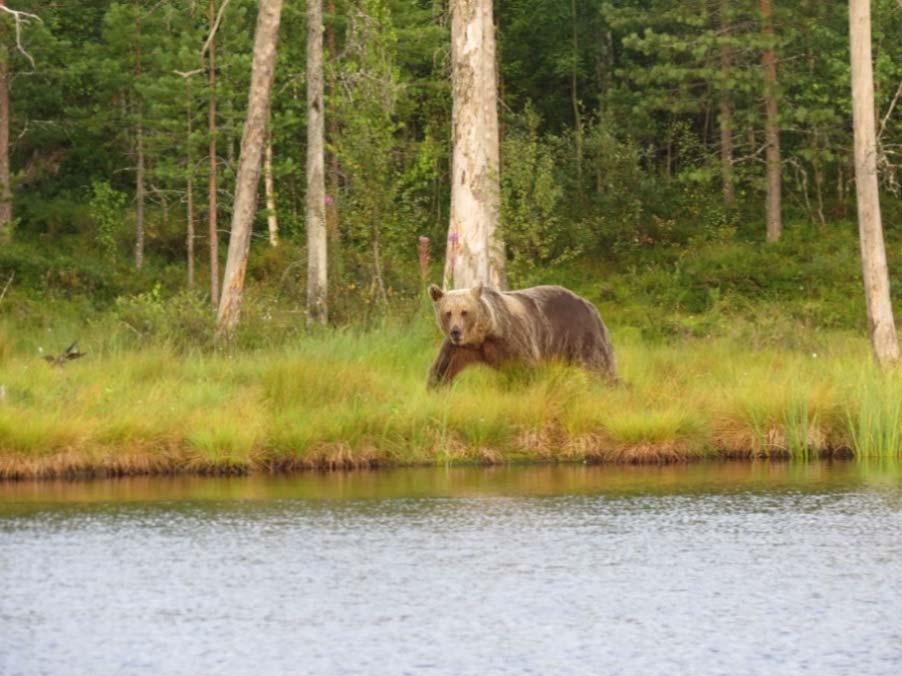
(484, 326)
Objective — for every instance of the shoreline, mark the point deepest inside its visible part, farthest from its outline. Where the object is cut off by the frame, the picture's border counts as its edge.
(83, 466)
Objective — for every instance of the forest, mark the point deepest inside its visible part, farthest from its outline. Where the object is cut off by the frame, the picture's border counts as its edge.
(686, 166)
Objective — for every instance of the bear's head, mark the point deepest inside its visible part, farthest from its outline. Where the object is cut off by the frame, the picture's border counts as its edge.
(462, 315)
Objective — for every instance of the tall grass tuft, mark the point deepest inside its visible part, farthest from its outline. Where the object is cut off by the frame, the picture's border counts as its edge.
(875, 417)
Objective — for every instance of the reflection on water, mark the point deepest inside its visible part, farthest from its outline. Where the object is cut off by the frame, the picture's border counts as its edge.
(512, 481)
(715, 568)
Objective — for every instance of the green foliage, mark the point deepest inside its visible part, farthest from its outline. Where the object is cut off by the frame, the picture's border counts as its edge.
(610, 177)
(532, 223)
(184, 321)
(107, 207)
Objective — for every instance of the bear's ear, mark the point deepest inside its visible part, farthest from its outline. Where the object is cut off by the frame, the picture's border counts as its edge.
(435, 293)
(477, 291)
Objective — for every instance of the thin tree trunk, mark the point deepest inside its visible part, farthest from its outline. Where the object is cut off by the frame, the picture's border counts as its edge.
(140, 193)
(189, 162)
(475, 252)
(139, 149)
(818, 166)
(771, 127)
(873, 254)
(378, 278)
(212, 189)
(6, 196)
(843, 208)
(332, 124)
(164, 204)
(726, 109)
(574, 100)
(247, 181)
(668, 162)
(317, 277)
(272, 221)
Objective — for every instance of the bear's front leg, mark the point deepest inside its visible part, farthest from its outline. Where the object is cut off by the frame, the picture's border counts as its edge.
(439, 369)
(451, 360)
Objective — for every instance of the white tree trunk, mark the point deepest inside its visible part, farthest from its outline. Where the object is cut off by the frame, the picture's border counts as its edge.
(247, 181)
(475, 250)
(873, 254)
(317, 279)
(272, 221)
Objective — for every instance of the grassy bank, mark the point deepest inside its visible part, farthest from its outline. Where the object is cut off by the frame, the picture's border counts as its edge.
(350, 399)
(729, 348)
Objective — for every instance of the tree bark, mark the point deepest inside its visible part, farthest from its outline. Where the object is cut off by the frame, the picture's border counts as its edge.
(189, 175)
(332, 122)
(870, 228)
(726, 109)
(212, 206)
(6, 195)
(247, 181)
(771, 127)
(317, 277)
(272, 220)
(475, 251)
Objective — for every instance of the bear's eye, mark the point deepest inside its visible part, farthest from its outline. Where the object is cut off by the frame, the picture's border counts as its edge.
(448, 314)
(463, 313)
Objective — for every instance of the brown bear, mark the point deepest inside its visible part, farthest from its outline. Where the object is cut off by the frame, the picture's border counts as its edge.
(485, 326)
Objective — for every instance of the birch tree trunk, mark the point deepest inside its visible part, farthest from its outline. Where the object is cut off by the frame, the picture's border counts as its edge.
(726, 109)
(475, 250)
(6, 196)
(317, 278)
(771, 127)
(272, 220)
(212, 205)
(873, 253)
(247, 181)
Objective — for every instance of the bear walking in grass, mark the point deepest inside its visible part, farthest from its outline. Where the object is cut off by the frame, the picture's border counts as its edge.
(484, 326)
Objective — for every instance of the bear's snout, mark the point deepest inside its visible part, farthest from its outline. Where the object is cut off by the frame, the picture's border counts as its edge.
(455, 334)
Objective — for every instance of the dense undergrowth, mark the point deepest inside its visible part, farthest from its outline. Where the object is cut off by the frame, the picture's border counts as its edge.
(727, 348)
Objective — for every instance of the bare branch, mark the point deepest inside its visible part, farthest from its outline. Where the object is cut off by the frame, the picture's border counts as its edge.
(22, 18)
(8, 282)
(188, 73)
(890, 111)
(214, 28)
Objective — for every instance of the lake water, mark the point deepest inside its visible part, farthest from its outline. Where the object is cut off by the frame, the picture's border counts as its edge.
(727, 568)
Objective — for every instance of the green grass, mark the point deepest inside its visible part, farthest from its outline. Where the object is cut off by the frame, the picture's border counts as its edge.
(728, 348)
(344, 398)
(874, 414)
